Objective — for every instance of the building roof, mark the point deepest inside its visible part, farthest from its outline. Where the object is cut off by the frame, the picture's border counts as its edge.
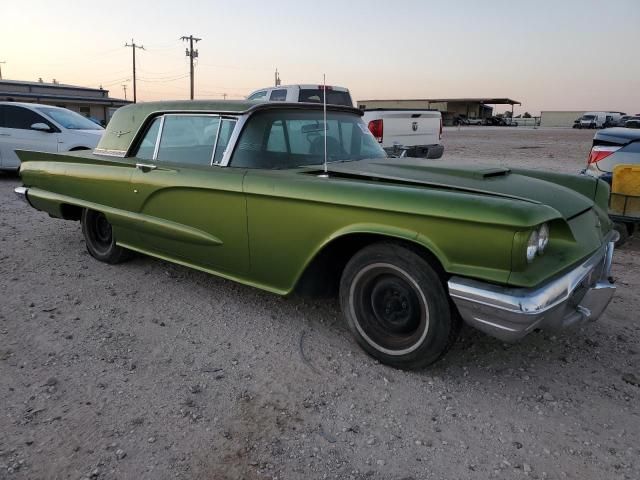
(52, 85)
(487, 100)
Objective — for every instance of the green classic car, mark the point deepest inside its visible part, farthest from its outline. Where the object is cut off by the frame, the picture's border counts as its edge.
(274, 196)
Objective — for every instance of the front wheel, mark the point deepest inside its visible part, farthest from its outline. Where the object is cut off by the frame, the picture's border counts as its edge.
(396, 306)
(98, 235)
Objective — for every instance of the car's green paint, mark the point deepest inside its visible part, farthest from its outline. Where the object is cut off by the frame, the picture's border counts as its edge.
(264, 227)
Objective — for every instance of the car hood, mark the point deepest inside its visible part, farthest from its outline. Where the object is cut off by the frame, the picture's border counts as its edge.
(481, 180)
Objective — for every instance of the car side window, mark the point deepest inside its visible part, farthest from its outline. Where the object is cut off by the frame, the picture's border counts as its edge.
(148, 144)
(188, 139)
(21, 118)
(257, 95)
(278, 96)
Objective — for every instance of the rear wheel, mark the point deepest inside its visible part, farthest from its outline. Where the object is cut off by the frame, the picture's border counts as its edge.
(98, 235)
(396, 306)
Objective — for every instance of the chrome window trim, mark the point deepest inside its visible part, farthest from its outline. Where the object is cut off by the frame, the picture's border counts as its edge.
(159, 135)
(162, 113)
(215, 144)
(231, 146)
(235, 124)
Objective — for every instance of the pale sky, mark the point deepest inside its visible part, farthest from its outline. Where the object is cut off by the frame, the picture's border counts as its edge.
(550, 55)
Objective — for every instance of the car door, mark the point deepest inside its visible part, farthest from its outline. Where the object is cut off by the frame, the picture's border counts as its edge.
(191, 209)
(16, 133)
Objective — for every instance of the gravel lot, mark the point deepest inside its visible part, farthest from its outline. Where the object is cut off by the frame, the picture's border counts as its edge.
(148, 370)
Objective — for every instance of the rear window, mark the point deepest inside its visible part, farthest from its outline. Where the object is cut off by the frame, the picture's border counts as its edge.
(334, 97)
(278, 96)
(292, 138)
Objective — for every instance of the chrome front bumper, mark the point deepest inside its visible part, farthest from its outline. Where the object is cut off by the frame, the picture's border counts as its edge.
(509, 314)
(21, 192)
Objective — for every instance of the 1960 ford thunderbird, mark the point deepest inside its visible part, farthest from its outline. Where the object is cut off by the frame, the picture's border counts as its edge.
(239, 189)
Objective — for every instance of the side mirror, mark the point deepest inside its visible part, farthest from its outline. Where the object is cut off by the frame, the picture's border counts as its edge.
(41, 127)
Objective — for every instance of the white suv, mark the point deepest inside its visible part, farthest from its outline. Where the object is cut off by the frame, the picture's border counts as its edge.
(303, 93)
(44, 128)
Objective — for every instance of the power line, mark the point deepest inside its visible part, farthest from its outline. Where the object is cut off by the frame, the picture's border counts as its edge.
(163, 79)
(133, 49)
(191, 54)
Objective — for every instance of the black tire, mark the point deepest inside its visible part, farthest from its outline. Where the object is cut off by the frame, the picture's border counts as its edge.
(98, 236)
(623, 230)
(396, 306)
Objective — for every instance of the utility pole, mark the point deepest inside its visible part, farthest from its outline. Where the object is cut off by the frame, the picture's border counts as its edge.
(191, 53)
(124, 87)
(133, 48)
(224, 96)
(277, 78)
(1, 69)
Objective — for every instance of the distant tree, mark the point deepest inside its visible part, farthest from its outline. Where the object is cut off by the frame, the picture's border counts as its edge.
(526, 115)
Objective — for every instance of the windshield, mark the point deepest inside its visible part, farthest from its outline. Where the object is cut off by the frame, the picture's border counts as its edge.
(334, 97)
(69, 119)
(283, 138)
(588, 117)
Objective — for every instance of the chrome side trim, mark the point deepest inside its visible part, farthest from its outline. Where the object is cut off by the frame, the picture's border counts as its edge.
(110, 153)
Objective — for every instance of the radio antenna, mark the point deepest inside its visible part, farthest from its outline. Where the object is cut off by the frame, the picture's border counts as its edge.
(324, 110)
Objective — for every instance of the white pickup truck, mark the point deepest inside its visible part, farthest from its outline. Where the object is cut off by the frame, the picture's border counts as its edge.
(402, 132)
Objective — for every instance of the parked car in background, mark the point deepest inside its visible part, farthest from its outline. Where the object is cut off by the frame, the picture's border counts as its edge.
(31, 126)
(499, 121)
(622, 120)
(243, 190)
(599, 119)
(406, 132)
(633, 122)
(304, 93)
(611, 148)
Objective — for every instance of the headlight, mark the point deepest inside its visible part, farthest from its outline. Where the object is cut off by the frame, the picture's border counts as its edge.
(532, 246)
(543, 238)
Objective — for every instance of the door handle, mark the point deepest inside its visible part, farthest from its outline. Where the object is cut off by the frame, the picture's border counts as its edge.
(145, 167)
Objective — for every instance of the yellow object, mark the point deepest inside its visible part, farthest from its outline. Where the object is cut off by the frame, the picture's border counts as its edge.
(625, 191)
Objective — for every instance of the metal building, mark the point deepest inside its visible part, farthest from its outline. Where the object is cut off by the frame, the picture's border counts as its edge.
(559, 118)
(90, 102)
(450, 108)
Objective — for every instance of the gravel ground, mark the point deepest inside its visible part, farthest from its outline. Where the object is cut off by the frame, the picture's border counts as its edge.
(148, 370)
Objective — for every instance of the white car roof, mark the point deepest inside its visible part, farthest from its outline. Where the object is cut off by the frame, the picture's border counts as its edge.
(301, 86)
(31, 106)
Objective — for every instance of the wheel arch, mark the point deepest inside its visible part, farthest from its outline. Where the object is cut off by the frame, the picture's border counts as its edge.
(322, 271)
